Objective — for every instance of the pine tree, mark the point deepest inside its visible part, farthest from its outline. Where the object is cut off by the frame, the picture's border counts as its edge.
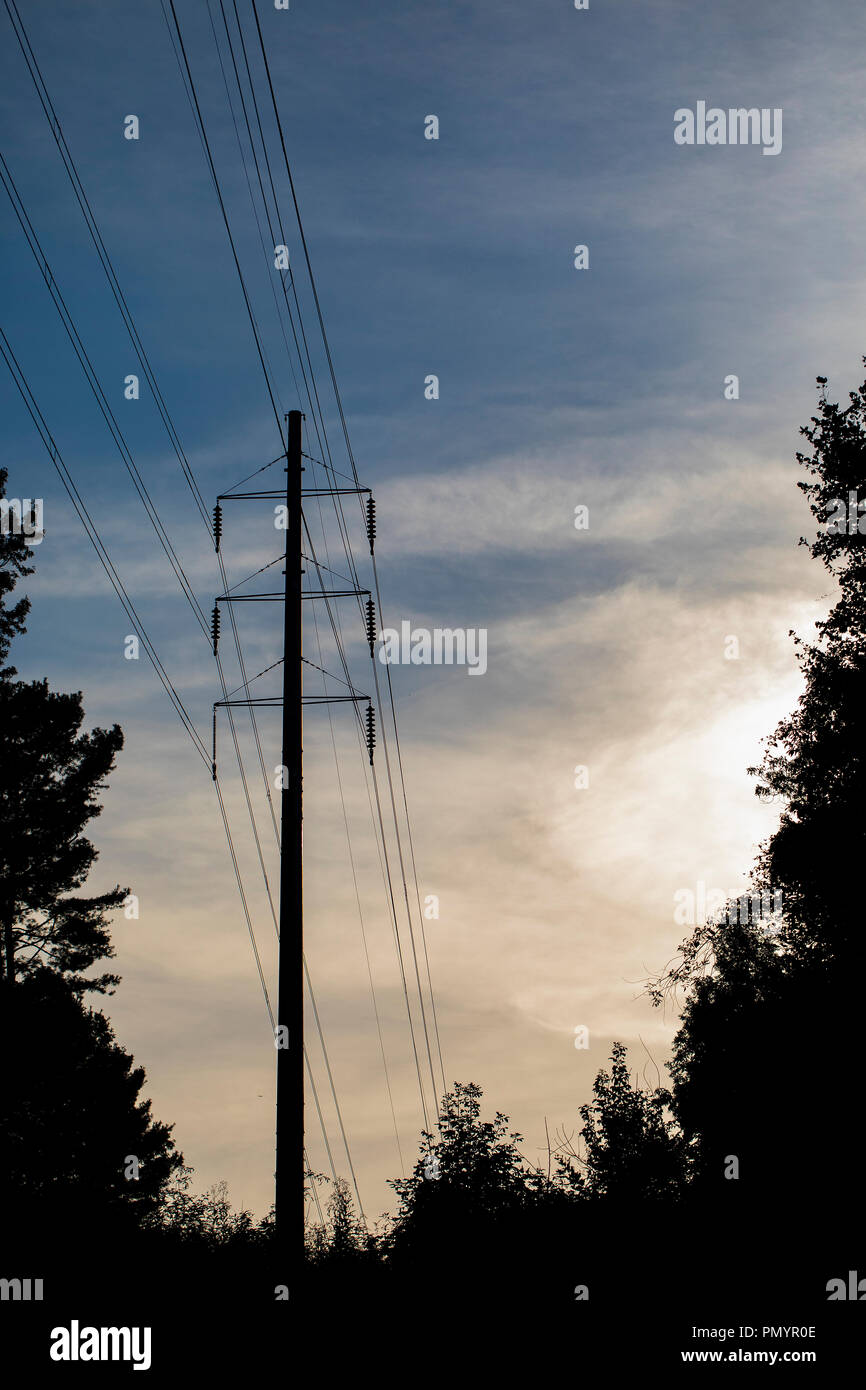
(50, 777)
(78, 1145)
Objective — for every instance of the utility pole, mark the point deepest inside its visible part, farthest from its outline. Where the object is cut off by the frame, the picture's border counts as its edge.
(289, 1208)
(290, 1196)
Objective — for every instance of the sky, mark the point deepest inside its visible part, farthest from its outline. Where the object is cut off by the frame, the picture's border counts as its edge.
(609, 647)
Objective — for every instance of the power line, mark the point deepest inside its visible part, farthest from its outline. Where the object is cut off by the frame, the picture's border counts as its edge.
(66, 478)
(312, 375)
(93, 381)
(128, 320)
(246, 683)
(225, 216)
(75, 497)
(381, 827)
(361, 915)
(130, 325)
(92, 226)
(331, 369)
(141, 487)
(110, 420)
(98, 393)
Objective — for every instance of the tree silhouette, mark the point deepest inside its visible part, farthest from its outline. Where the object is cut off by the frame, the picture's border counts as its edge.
(50, 778)
(206, 1219)
(343, 1238)
(770, 1029)
(71, 1117)
(469, 1178)
(634, 1150)
(76, 1140)
(815, 762)
(732, 1057)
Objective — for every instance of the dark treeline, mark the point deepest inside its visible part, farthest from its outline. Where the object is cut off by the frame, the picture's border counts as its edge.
(733, 1188)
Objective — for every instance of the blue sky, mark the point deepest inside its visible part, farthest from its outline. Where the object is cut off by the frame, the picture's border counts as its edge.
(557, 388)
